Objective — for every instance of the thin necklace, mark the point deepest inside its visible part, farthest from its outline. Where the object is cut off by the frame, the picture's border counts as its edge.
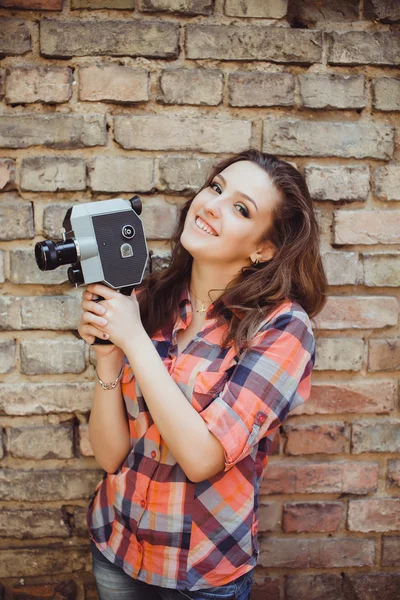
(202, 309)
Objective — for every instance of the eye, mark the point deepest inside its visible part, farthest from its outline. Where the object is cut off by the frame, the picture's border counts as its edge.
(217, 184)
(245, 212)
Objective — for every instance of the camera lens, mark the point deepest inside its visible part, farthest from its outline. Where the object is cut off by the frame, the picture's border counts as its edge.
(50, 255)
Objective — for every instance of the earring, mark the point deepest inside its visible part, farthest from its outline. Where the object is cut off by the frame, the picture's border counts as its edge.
(255, 263)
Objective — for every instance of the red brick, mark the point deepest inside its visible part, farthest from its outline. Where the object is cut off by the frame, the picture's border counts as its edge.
(320, 478)
(350, 397)
(374, 514)
(324, 438)
(391, 551)
(312, 516)
(393, 475)
(317, 553)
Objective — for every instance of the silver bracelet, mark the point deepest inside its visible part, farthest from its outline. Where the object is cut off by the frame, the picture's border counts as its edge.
(109, 386)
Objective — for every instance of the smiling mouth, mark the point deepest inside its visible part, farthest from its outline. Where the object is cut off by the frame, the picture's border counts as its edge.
(204, 227)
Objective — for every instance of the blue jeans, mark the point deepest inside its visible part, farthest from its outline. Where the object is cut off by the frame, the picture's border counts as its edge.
(114, 584)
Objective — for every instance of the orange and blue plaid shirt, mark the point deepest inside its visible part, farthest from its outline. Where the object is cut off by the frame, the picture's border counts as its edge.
(152, 521)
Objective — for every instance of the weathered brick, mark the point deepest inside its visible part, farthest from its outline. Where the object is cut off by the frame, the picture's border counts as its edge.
(121, 174)
(384, 355)
(52, 130)
(321, 438)
(50, 85)
(342, 268)
(393, 473)
(85, 446)
(33, 4)
(376, 436)
(50, 312)
(339, 477)
(32, 524)
(265, 9)
(7, 174)
(44, 398)
(159, 262)
(184, 7)
(159, 218)
(113, 83)
(2, 267)
(24, 269)
(14, 37)
(7, 355)
(97, 4)
(269, 514)
(317, 553)
(339, 354)
(301, 517)
(374, 514)
(191, 86)
(386, 181)
(305, 13)
(363, 47)
(53, 216)
(257, 88)
(52, 356)
(365, 586)
(24, 562)
(181, 173)
(16, 218)
(41, 442)
(254, 42)
(382, 270)
(153, 39)
(160, 132)
(386, 93)
(48, 485)
(350, 397)
(367, 227)
(386, 11)
(10, 313)
(391, 551)
(295, 137)
(53, 173)
(338, 182)
(358, 312)
(332, 91)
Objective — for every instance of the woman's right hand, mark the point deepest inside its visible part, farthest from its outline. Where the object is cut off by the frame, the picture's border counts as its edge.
(92, 316)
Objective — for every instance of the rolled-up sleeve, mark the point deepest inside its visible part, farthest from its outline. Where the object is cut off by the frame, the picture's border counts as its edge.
(272, 378)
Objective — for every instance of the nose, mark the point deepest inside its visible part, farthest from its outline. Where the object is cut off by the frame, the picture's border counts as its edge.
(212, 207)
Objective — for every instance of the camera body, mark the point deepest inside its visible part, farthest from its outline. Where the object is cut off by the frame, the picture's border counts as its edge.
(103, 241)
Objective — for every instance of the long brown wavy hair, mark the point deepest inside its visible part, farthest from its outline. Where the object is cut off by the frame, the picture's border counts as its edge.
(295, 272)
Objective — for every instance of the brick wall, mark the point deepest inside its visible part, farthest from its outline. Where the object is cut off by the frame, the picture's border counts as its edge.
(101, 98)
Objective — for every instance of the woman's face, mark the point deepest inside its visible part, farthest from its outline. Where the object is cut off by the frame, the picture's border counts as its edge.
(223, 226)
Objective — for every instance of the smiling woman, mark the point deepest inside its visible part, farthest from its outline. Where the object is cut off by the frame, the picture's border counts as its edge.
(216, 350)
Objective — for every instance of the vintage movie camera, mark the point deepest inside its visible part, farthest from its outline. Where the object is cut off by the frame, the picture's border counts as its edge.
(104, 242)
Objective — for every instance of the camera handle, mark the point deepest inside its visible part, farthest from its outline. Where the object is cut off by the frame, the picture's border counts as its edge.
(126, 291)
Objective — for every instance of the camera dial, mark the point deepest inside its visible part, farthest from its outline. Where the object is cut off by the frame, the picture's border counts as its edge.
(128, 232)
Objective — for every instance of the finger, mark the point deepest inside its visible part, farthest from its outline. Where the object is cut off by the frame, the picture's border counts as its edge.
(101, 290)
(89, 330)
(89, 317)
(94, 307)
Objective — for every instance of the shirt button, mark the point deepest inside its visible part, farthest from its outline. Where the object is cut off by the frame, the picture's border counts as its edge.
(153, 454)
(143, 503)
(261, 418)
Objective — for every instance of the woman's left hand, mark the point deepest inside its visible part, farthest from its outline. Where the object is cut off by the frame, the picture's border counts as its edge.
(122, 314)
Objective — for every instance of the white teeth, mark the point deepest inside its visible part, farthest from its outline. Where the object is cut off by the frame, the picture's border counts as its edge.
(200, 223)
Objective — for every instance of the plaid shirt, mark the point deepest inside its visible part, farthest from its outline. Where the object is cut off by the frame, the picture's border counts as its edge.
(148, 517)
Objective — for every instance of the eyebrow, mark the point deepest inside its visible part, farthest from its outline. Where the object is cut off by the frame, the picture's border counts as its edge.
(240, 193)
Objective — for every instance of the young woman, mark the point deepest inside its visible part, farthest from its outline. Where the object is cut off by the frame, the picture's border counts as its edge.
(209, 357)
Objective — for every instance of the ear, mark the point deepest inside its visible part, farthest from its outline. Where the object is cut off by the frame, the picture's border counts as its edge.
(264, 252)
